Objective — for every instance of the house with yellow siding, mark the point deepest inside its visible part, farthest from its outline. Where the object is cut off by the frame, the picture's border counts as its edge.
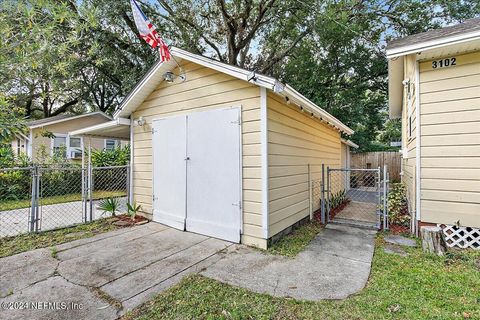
(434, 87)
(48, 135)
(223, 151)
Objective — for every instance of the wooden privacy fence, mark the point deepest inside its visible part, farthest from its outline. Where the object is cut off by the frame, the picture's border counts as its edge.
(370, 160)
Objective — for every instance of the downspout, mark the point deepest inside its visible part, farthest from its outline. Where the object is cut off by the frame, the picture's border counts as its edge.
(264, 150)
(417, 148)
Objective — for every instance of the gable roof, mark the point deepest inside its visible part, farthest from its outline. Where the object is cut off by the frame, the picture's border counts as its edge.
(155, 76)
(466, 31)
(63, 117)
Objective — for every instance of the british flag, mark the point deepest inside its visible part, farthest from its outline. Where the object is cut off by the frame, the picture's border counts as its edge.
(148, 33)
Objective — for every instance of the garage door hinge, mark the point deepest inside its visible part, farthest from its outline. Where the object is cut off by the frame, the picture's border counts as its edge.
(153, 131)
(239, 122)
(154, 198)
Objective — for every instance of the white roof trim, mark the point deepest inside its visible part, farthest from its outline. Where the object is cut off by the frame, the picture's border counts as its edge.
(350, 143)
(70, 118)
(432, 44)
(102, 126)
(128, 105)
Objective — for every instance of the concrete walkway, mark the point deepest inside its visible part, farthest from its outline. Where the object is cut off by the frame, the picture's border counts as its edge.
(335, 265)
(104, 276)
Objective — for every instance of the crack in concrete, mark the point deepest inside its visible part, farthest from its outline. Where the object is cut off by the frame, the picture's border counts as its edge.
(35, 282)
(177, 273)
(114, 236)
(347, 258)
(153, 262)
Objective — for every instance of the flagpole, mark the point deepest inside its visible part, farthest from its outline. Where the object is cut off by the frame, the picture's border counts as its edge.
(179, 66)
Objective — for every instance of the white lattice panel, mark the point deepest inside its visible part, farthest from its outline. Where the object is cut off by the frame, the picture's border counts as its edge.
(462, 237)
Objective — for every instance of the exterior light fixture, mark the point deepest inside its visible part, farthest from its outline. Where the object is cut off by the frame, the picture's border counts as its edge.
(169, 76)
(140, 122)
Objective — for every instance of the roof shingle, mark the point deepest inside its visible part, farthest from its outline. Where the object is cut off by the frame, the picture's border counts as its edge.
(465, 27)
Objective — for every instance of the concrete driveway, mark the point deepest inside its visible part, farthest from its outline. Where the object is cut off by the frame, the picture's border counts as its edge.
(104, 276)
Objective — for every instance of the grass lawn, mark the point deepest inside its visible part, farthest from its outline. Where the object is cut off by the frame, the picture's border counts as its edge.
(291, 244)
(419, 286)
(29, 241)
(18, 204)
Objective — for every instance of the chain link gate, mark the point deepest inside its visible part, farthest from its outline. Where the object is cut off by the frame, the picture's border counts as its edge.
(40, 198)
(355, 197)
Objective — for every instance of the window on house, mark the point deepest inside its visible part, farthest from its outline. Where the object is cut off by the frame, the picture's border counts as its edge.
(19, 146)
(60, 146)
(66, 146)
(75, 148)
(111, 144)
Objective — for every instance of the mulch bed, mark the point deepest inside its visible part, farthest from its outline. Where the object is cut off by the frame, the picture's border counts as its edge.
(337, 209)
(398, 229)
(126, 221)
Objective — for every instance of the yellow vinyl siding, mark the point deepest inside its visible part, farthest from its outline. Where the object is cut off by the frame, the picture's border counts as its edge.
(294, 141)
(205, 89)
(409, 142)
(450, 120)
(65, 127)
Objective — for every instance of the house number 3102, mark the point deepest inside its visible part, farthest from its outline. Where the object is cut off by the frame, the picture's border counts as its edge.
(444, 63)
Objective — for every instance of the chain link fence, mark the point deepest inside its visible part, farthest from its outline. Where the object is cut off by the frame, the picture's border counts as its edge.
(354, 195)
(40, 198)
(15, 200)
(108, 183)
(351, 196)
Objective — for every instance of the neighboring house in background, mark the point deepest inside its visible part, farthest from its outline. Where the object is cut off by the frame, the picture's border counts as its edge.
(225, 153)
(346, 153)
(40, 132)
(434, 87)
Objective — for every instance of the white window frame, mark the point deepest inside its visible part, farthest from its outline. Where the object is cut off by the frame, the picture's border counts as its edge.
(67, 144)
(118, 143)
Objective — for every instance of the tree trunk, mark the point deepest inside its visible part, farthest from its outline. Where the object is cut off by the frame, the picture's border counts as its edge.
(433, 241)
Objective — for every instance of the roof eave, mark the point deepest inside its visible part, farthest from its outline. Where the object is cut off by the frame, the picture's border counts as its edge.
(106, 125)
(256, 79)
(316, 110)
(350, 143)
(395, 87)
(68, 119)
(432, 44)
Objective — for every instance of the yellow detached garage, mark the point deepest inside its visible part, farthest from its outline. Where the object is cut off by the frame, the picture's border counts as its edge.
(223, 151)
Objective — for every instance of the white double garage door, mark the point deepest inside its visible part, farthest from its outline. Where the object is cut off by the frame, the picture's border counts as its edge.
(197, 172)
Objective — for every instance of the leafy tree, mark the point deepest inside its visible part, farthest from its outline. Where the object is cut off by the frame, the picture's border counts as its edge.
(341, 65)
(60, 56)
(392, 132)
(68, 56)
(232, 31)
(12, 122)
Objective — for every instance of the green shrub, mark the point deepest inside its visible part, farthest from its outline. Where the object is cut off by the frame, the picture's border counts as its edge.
(337, 199)
(398, 205)
(119, 156)
(7, 158)
(15, 184)
(110, 205)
